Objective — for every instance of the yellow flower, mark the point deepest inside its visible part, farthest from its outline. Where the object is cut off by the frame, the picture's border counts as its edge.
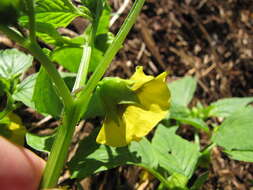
(13, 130)
(131, 121)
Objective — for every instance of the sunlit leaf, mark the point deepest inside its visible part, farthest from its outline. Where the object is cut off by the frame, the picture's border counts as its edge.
(24, 91)
(13, 63)
(225, 107)
(174, 154)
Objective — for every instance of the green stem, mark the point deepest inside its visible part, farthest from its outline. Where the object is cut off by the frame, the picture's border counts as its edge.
(87, 51)
(61, 86)
(37, 52)
(72, 115)
(158, 176)
(60, 147)
(32, 25)
(111, 52)
(83, 68)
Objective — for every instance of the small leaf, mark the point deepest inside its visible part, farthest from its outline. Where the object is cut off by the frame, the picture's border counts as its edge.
(40, 143)
(92, 157)
(45, 97)
(24, 91)
(182, 91)
(13, 63)
(175, 155)
(236, 132)
(225, 107)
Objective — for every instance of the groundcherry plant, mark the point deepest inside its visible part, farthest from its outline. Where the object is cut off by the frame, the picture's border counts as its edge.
(28, 21)
(129, 108)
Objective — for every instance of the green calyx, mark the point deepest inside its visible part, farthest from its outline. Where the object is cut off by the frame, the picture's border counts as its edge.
(9, 11)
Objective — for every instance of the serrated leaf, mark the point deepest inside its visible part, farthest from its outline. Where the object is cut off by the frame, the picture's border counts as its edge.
(92, 157)
(40, 143)
(175, 154)
(236, 132)
(55, 12)
(45, 96)
(24, 91)
(225, 107)
(13, 63)
(48, 33)
(182, 91)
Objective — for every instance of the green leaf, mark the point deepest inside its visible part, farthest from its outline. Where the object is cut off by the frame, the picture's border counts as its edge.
(54, 12)
(68, 57)
(225, 107)
(102, 42)
(92, 157)
(24, 91)
(13, 63)
(241, 155)
(182, 91)
(175, 154)
(40, 143)
(45, 97)
(236, 132)
(48, 33)
(103, 38)
(104, 19)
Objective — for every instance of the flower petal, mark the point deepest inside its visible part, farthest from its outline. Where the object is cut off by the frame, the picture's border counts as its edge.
(140, 78)
(112, 133)
(136, 120)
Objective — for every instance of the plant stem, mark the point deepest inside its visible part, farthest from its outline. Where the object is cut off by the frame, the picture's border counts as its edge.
(83, 68)
(87, 50)
(32, 25)
(60, 147)
(110, 53)
(61, 86)
(37, 52)
(158, 176)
